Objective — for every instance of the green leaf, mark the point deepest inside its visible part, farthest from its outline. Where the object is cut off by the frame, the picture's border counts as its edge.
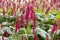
(9, 11)
(58, 16)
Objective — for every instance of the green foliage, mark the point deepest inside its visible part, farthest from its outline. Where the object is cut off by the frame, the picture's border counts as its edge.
(39, 37)
(9, 11)
(43, 22)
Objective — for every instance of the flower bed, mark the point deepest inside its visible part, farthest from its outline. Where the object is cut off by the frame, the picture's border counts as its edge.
(29, 20)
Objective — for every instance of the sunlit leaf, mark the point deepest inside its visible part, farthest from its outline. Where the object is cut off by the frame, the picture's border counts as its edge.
(57, 16)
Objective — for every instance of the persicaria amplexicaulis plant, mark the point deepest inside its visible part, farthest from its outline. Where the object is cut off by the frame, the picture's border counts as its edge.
(54, 28)
(17, 24)
(2, 37)
(26, 9)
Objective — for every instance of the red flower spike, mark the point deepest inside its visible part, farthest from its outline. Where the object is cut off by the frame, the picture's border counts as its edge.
(17, 27)
(27, 14)
(13, 12)
(55, 1)
(54, 28)
(2, 37)
(18, 6)
(41, 1)
(43, 5)
(0, 0)
(22, 20)
(35, 36)
(18, 0)
(58, 6)
(7, 5)
(37, 6)
(6, 33)
(23, 38)
(3, 4)
(47, 10)
(34, 23)
(14, 6)
(17, 24)
(51, 4)
(3, 12)
(24, 0)
(32, 2)
(34, 19)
